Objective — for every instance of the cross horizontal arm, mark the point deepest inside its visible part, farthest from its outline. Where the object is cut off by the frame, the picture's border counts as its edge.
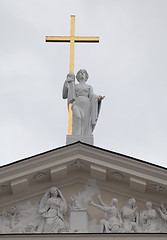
(76, 39)
(57, 39)
(86, 39)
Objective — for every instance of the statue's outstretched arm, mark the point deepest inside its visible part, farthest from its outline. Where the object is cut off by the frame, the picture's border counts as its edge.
(101, 201)
(96, 205)
(163, 209)
(162, 214)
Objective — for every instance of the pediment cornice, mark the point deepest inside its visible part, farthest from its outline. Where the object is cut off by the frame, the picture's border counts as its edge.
(103, 165)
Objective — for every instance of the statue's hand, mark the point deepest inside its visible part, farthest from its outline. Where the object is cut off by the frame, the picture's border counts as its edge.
(100, 98)
(70, 78)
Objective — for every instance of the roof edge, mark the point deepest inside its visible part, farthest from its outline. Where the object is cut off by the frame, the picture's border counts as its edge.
(86, 144)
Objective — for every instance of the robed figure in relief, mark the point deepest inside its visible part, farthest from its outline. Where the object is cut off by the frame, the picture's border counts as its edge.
(52, 207)
(130, 216)
(112, 221)
(85, 104)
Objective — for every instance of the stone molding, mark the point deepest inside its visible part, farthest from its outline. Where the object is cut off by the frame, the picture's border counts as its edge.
(55, 164)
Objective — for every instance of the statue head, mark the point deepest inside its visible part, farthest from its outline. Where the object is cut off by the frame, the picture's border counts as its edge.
(114, 202)
(148, 205)
(132, 202)
(54, 192)
(82, 75)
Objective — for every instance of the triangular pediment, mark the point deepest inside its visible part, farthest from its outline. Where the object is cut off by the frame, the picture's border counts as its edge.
(76, 163)
(78, 168)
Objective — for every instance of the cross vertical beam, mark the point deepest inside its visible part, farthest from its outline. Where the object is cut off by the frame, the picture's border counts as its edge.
(72, 39)
(70, 115)
(72, 44)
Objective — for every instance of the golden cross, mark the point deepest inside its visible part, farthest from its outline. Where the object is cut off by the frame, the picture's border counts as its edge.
(72, 39)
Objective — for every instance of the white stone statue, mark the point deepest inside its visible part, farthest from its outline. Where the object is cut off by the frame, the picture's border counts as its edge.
(52, 208)
(14, 220)
(112, 221)
(10, 221)
(148, 219)
(29, 228)
(130, 216)
(163, 212)
(85, 104)
(80, 201)
(5, 222)
(21, 218)
(74, 204)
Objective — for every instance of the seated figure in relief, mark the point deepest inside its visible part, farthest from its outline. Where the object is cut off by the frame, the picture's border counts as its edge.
(148, 219)
(52, 207)
(112, 221)
(130, 216)
(85, 104)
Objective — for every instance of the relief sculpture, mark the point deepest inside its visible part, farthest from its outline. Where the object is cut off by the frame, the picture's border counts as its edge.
(47, 215)
(52, 207)
(112, 221)
(130, 216)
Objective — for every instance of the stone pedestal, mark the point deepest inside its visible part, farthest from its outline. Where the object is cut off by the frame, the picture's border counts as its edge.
(79, 221)
(82, 138)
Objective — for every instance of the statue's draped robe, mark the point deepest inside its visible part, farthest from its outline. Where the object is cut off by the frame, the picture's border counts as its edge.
(53, 209)
(85, 107)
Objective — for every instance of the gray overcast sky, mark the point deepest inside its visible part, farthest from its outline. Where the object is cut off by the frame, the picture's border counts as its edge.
(128, 66)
